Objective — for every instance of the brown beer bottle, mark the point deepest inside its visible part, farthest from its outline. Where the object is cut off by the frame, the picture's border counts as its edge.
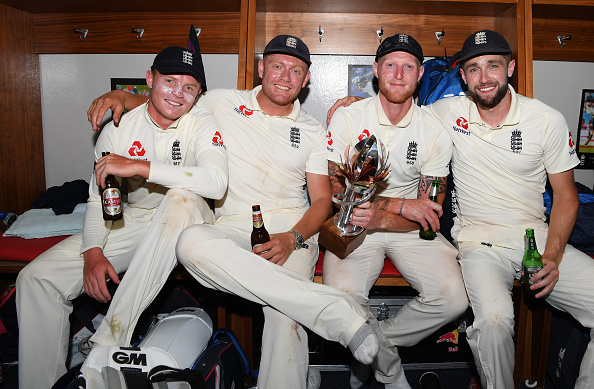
(111, 197)
(259, 233)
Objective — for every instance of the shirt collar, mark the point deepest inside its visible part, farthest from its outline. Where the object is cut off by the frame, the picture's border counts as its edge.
(255, 106)
(512, 118)
(173, 125)
(383, 118)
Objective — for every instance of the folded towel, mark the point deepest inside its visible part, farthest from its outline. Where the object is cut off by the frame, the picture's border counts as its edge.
(43, 223)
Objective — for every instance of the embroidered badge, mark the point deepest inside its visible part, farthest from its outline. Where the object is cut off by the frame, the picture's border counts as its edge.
(411, 153)
(516, 141)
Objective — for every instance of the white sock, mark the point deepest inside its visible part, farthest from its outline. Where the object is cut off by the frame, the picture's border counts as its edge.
(364, 344)
(314, 378)
(401, 383)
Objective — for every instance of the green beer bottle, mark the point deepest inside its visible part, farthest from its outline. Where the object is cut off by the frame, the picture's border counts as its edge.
(430, 234)
(531, 263)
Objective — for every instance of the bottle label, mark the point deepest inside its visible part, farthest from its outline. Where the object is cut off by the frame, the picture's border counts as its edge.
(257, 218)
(530, 271)
(112, 201)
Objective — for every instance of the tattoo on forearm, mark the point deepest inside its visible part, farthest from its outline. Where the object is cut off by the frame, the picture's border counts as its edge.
(336, 178)
(381, 202)
(425, 185)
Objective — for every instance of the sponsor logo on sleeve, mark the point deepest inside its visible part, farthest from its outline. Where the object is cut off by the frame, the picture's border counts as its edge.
(571, 144)
(330, 141)
(217, 140)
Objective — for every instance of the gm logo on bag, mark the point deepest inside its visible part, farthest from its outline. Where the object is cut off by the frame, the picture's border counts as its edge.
(137, 359)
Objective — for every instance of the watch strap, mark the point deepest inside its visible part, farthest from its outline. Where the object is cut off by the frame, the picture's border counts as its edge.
(299, 241)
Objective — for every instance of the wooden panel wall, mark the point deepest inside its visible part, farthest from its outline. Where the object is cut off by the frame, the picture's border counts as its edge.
(355, 34)
(22, 178)
(111, 33)
(579, 48)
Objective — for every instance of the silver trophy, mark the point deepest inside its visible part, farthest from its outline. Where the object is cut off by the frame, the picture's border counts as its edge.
(364, 166)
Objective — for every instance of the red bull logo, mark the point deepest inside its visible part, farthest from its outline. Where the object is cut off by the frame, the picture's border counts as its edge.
(474, 383)
(450, 337)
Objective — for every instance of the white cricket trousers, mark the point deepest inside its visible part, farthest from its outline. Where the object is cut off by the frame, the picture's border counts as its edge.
(489, 274)
(144, 247)
(429, 266)
(220, 257)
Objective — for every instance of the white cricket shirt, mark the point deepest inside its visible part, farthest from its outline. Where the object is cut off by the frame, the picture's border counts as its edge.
(268, 155)
(190, 154)
(500, 173)
(417, 145)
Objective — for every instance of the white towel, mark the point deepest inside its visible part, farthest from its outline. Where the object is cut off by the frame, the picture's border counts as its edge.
(43, 223)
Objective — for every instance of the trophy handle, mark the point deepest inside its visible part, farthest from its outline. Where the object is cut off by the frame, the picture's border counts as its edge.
(347, 203)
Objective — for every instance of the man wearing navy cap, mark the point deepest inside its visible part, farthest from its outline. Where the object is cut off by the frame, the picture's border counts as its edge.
(277, 158)
(420, 152)
(505, 147)
(166, 156)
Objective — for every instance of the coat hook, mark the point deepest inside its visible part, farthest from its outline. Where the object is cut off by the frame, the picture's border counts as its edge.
(198, 31)
(320, 32)
(562, 38)
(380, 33)
(139, 31)
(82, 31)
(438, 35)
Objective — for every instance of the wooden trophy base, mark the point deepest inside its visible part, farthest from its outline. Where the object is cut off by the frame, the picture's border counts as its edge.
(332, 239)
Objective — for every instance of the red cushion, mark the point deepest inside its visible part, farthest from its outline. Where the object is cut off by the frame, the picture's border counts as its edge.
(25, 250)
(388, 270)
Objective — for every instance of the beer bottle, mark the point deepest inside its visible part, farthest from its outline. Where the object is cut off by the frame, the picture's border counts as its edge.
(111, 197)
(430, 234)
(259, 233)
(531, 263)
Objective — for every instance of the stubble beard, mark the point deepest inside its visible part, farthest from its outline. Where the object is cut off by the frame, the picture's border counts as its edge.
(395, 98)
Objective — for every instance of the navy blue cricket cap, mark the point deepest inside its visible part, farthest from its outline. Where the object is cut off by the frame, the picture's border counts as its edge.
(400, 42)
(289, 45)
(177, 60)
(484, 42)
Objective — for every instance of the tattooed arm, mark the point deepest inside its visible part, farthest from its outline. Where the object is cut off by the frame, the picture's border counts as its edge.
(385, 213)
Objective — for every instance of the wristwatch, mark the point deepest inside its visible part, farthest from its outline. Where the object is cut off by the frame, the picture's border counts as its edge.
(299, 241)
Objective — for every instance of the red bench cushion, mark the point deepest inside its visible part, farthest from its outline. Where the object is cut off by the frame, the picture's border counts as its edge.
(25, 250)
(388, 270)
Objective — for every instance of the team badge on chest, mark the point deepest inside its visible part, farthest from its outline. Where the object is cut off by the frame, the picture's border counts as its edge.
(516, 141)
(176, 155)
(411, 153)
(295, 137)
